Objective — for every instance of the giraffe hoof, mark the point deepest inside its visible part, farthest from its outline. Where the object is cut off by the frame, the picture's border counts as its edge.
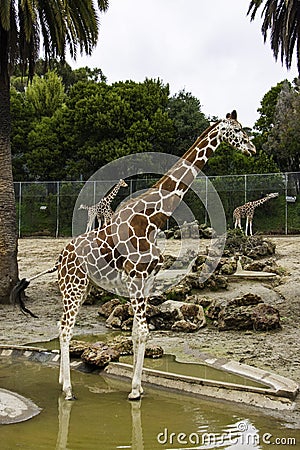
(134, 396)
(70, 397)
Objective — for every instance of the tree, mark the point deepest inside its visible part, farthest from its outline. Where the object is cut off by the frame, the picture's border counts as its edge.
(188, 120)
(282, 20)
(58, 26)
(46, 94)
(283, 140)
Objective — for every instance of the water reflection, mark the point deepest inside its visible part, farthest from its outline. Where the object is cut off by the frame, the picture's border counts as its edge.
(64, 417)
(241, 434)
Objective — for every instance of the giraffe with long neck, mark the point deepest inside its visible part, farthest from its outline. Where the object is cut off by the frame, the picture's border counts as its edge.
(102, 210)
(126, 250)
(247, 210)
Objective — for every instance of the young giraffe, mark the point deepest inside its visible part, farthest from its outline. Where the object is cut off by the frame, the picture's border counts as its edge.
(247, 210)
(126, 251)
(102, 210)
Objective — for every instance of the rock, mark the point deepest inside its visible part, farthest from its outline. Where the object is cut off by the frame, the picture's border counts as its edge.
(197, 266)
(207, 232)
(76, 348)
(183, 325)
(120, 314)
(126, 325)
(228, 268)
(100, 354)
(107, 308)
(198, 299)
(168, 261)
(153, 351)
(168, 313)
(246, 300)
(193, 314)
(246, 313)
(234, 317)
(95, 295)
(122, 344)
(214, 309)
(171, 312)
(179, 291)
(266, 317)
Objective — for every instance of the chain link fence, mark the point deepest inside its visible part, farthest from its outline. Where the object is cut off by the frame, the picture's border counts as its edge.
(46, 208)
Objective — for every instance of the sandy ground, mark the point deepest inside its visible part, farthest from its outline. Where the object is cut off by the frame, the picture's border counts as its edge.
(277, 351)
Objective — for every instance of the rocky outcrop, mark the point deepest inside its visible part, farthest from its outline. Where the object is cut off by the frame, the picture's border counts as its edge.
(169, 315)
(191, 230)
(102, 353)
(244, 313)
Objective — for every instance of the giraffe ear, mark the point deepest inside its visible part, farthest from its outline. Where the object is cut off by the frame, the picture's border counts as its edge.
(233, 115)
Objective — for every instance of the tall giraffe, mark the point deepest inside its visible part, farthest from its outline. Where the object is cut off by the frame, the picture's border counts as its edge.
(247, 210)
(102, 210)
(125, 251)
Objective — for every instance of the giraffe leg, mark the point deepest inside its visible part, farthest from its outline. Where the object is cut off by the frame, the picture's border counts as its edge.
(66, 326)
(250, 226)
(247, 223)
(64, 373)
(89, 225)
(139, 335)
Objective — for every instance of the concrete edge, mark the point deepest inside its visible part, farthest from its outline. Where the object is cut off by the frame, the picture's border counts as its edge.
(252, 396)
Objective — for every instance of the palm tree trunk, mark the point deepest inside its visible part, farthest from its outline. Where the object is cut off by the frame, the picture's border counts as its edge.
(8, 231)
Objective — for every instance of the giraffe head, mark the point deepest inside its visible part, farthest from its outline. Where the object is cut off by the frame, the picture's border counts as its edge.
(231, 131)
(272, 195)
(122, 183)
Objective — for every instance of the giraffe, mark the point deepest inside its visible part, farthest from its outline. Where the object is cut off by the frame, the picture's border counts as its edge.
(102, 209)
(125, 250)
(247, 210)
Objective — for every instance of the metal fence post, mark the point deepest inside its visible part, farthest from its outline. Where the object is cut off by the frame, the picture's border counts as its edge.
(206, 199)
(20, 209)
(286, 204)
(57, 209)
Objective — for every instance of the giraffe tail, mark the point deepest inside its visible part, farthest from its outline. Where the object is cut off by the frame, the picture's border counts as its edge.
(17, 292)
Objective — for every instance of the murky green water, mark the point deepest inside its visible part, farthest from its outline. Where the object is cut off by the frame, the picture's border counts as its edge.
(102, 418)
(168, 363)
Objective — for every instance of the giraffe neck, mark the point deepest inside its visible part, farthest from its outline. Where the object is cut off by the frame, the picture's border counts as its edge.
(114, 192)
(260, 201)
(183, 173)
(170, 189)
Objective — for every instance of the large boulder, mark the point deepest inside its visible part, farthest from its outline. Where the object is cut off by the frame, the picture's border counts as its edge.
(100, 354)
(178, 316)
(246, 313)
(265, 317)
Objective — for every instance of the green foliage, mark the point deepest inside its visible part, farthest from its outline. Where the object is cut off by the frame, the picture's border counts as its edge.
(267, 109)
(69, 135)
(228, 161)
(46, 94)
(188, 120)
(284, 138)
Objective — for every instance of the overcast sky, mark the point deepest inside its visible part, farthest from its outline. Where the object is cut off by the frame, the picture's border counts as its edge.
(207, 47)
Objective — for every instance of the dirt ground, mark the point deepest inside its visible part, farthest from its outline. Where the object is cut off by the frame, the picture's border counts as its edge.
(278, 351)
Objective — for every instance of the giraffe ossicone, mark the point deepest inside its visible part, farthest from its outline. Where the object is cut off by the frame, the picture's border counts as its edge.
(127, 247)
